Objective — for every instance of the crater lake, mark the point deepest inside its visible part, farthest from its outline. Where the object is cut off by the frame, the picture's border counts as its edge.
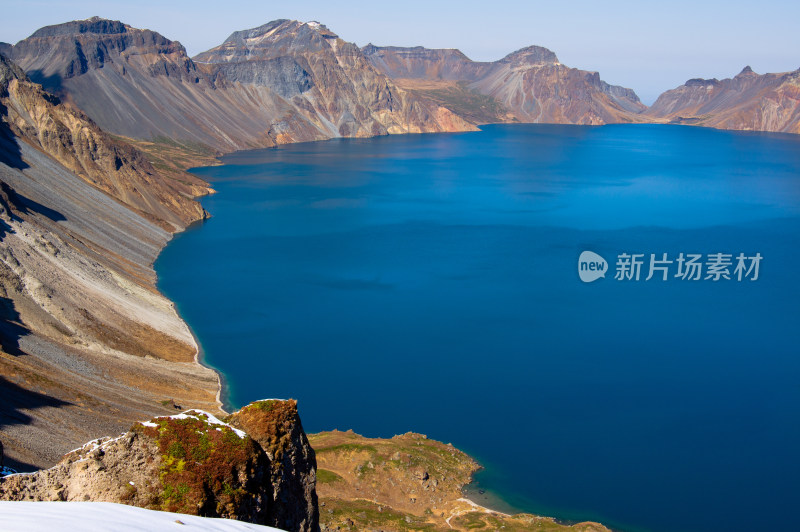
(430, 283)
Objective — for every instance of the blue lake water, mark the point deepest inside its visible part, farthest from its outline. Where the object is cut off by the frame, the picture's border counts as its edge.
(430, 283)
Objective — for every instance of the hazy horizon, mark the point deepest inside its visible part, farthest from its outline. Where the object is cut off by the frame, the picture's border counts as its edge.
(649, 48)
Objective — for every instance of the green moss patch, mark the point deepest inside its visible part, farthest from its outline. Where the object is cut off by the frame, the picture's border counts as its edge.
(199, 462)
(366, 515)
(348, 447)
(327, 477)
(271, 423)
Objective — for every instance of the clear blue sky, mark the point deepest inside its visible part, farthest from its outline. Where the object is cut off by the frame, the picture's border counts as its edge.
(648, 46)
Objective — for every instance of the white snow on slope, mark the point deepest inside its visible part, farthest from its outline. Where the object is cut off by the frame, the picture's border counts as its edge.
(195, 414)
(108, 517)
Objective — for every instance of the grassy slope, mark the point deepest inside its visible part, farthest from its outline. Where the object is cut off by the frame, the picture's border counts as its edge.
(172, 159)
(406, 483)
(459, 98)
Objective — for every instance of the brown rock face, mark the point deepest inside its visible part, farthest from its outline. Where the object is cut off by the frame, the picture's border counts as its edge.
(195, 464)
(749, 101)
(71, 138)
(276, 427)
(530, 84)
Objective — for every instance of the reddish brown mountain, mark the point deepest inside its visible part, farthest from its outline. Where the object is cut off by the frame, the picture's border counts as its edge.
(529, 85)
(749, 101)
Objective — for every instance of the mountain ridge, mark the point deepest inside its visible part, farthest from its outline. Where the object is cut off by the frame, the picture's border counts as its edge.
(241, 101)
(138, 84)
(531, 83)
(748, 101)
(327, 79)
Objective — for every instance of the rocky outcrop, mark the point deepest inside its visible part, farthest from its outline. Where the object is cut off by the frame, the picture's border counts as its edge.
(530, 84)
(749, 101)
(192, 463)
(299, 84)
(88, 343)
(276, 427)
(189, 463)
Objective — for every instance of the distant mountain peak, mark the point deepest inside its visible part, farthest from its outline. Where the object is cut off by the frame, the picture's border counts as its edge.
(532, 55)
(90, 25)
(258, 31)
(701, 82)
(245, 42)
(321, 28)
(741, 102)
(369, 49)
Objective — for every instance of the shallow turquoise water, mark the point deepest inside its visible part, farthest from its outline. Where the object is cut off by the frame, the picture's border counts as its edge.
(429, 283)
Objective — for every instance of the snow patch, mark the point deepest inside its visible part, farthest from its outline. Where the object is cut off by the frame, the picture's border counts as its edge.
(95, 444)
(211, 419)
(29, 516)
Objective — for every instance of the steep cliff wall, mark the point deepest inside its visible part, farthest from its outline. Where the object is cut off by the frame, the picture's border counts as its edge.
(276, 428)
(326, 79)
(88, 343)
